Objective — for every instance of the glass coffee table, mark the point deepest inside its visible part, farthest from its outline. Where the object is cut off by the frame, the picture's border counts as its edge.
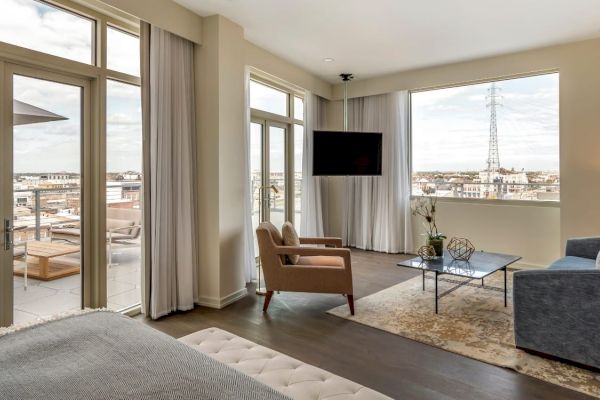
(480, 265)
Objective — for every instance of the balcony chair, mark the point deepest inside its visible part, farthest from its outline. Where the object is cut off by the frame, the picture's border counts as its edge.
(318, 270)
(122, 226)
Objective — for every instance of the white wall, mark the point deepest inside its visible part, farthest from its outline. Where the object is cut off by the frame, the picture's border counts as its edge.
(283, 70)
(220, 104)
(531, 232)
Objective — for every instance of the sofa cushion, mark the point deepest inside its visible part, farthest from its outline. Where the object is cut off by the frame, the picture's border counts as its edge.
(323, 261)
(570, 262)
(290, 238)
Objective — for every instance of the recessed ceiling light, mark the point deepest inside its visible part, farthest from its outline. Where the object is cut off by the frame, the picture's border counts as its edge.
(328, 59)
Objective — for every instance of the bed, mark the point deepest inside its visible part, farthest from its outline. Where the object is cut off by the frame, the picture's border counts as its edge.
(104, 355)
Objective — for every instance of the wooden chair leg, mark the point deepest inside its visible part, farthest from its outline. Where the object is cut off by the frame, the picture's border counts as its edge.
(351, 303)
(268, 296)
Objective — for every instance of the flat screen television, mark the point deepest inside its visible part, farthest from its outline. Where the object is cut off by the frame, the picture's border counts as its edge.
(346, 153)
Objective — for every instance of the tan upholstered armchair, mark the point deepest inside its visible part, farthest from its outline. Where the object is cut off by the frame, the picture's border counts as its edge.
(319, 269)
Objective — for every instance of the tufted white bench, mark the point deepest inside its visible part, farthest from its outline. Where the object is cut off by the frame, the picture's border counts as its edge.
(289, 376)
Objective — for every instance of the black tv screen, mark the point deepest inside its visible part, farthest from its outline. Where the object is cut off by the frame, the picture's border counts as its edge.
(346, 153)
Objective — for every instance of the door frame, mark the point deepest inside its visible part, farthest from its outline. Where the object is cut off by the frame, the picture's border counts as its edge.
(288, 151)
(92, 167)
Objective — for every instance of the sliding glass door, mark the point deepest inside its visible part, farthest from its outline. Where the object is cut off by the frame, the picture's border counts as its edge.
(269, 173)
(44, 126)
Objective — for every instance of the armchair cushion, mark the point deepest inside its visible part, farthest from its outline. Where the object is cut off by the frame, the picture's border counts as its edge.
(325, 261)
(290, 238)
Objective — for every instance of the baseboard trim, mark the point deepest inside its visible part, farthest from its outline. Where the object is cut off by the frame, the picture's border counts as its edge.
(218, 303)
(522, 265)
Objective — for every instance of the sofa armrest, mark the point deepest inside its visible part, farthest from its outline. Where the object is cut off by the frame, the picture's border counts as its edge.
(556, 313)
(328, 241)
(583, 247)
(316, 251)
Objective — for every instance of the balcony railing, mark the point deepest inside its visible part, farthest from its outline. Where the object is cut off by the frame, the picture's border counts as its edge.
(37, 209)
(488, 190)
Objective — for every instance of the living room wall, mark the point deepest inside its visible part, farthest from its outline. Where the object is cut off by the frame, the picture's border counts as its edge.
(536, 232)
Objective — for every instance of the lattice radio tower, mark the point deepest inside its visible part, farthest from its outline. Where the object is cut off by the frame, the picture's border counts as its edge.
(493, 100)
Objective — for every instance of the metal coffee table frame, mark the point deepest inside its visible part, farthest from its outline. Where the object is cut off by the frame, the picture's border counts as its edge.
(475, 269)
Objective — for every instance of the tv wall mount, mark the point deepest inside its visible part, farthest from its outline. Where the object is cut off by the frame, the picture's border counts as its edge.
(346, 78)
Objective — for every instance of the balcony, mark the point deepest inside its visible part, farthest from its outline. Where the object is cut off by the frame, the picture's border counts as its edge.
(53, 283)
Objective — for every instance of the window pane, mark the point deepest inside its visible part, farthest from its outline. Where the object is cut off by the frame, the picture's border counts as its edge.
(38, 26)
(298, 150)
(47, 196)
(266, 98)
(122, 51)
(299, 108)
(123, 194)
(277, 175)
(496, 140)
(256, 169)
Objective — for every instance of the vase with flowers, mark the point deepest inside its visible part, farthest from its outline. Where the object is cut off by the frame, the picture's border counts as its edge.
(426, 208)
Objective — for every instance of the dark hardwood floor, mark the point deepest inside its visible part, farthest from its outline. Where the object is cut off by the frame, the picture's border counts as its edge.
(297, 325)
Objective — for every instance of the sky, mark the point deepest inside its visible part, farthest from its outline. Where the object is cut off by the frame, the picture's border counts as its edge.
(450, 127)
(37, 26)
(50, 146)
(55, 146)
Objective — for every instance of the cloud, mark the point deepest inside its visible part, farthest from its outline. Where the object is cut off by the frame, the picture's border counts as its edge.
(451, 131)
(40, 27)
(123, 52)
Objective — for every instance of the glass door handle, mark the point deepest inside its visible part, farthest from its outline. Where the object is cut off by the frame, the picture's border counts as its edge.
(8, 234)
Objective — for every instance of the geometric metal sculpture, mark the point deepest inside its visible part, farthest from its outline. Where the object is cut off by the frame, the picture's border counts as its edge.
(460, 249)
(427, 253)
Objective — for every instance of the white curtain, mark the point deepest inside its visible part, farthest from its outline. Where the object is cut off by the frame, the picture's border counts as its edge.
(377, 212)
(314, 189)
(249, 256)
(170, 172)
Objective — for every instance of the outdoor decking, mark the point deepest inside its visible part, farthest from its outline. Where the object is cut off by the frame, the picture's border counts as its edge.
(46, 298)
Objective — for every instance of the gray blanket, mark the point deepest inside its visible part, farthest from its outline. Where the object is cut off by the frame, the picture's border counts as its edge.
(104, 355)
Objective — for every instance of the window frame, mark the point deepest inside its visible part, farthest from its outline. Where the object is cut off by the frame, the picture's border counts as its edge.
(507, 202)
(97, 74)
(266, 119)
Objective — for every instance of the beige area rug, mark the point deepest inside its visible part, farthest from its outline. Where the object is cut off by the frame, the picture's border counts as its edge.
(472, 322)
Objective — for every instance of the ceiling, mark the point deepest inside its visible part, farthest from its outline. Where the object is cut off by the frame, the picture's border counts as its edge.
(375, 37)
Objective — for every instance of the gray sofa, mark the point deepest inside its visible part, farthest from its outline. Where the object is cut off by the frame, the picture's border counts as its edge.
(557, 310)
